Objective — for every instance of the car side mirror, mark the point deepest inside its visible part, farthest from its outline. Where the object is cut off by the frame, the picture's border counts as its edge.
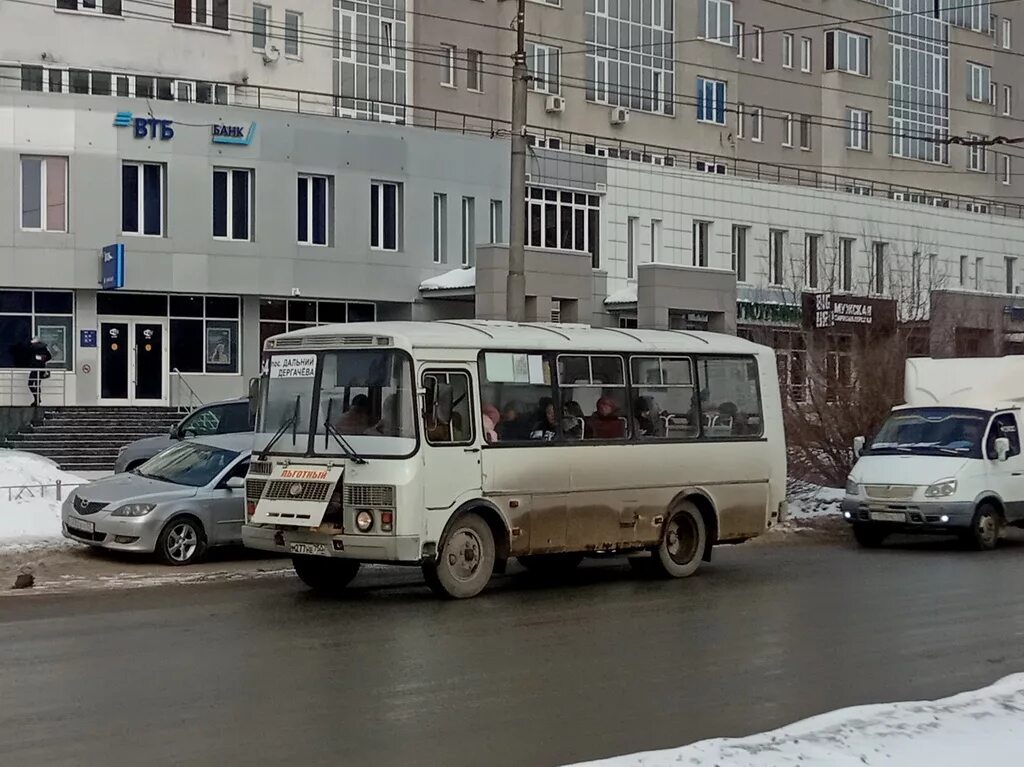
(1002, 448)
(858, 446)
(235, 483)
(175, 434)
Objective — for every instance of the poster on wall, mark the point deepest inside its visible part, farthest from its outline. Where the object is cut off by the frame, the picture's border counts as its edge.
(218, 346)
(56, 339)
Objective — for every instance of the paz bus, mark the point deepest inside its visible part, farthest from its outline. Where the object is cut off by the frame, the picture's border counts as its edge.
(458, 445)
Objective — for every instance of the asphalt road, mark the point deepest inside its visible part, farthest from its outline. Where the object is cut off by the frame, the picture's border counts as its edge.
(263, 673)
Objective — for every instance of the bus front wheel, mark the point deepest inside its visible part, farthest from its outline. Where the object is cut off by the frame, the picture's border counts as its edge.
(323, 575)
(465, 562)
(682, 544)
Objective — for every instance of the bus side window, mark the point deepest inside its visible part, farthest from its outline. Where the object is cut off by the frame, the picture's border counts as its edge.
(731, 403)
(594, 397)
(665, 398)
(448, 414)
(518, 388)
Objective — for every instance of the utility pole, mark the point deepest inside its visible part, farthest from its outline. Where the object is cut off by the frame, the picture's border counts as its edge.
(515, 299)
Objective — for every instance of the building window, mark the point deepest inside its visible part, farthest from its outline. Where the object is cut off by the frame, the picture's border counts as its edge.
(758, 52)
(787, 129)
(716, 20)
(440, 228)
(979, 79)
(787, 50)
(878, 268)
(44, 194)
(846, 264)
(1011, 281)
(741, 115)
(805, 131)
(710, 101)
(739, 37)
(776, 255)
(812, 257)
(201, 13)
(632, 242)
(107, 7)
(474, 70)
(805, 54)
(655, 240)
(977, 154)
(142, 198)
(233, 195)
(385, 215)
(701, 243)
(739, 251)
(859, 131)
(1007, 100)
(838, 367)
(1007, 37)
(756, 123)
(204, 334)
(979, 272)
(468, 230)
(564, 220)
(46, 314)
(497, 221)
(314, 209)
(544, 62)
(386, 44)
(791, 358)
(278, 315)
(963, 271)
(448, 65)
(847, 52)
(1006, 175)
(292, 32)
(260, 23)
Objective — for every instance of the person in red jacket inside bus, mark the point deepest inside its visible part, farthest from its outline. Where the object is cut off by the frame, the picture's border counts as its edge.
(606, 423)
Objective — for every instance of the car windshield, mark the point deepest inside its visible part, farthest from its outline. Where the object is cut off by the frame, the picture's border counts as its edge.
(366, 395)
(932, 431)
(188, 463)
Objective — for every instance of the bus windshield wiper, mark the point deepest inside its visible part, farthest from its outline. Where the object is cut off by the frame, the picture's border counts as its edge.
(338, 437)
(289, 424)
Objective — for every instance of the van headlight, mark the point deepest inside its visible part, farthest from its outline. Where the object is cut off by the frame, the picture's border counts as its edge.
(941, 489)
(852, 488)
(133, 510)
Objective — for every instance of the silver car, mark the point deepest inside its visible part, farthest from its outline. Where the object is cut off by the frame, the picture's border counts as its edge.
(177, 504)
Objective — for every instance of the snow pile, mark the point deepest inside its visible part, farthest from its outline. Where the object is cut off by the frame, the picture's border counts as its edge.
(453, 280)
(29, 509)
(625, 296)
(984, 727)
(808, 501)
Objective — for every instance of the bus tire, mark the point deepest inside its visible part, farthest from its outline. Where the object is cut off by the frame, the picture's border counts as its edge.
(465, 561)
(551, 565)
(324, 575)
(682, 543)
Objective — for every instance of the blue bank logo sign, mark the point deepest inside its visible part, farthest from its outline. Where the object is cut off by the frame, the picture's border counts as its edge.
(233, 134)
(145, 127)
(112, 267)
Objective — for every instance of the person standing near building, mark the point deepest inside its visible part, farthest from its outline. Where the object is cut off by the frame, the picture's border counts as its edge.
(38, 354)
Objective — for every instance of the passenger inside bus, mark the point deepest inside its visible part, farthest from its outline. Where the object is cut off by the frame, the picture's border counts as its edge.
(546, 426)
(649, 422)
(491, 419)
(355, 420)
(391, 423)
(511, 428)
(606, 422)
(573, 421)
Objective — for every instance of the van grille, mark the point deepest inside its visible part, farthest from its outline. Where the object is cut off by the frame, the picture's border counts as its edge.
(285, 490)
(890, 492)
(373, 496)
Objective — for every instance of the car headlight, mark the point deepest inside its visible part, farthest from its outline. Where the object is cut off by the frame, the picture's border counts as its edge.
(941, 489)
(133, 510)
(852, 488)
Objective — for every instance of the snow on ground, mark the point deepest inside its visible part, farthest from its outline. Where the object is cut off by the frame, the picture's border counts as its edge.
(808, 501)
(29, 509)
(984, 727)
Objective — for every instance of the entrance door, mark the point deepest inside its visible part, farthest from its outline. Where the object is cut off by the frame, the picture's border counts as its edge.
(133, 366)
(453, 447)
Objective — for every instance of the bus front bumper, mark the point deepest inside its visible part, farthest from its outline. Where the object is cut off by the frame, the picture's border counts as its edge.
(364, 548)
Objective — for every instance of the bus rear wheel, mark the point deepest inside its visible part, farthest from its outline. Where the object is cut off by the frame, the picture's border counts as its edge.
(465, 562)
(324, 575)
(551, 565)
(682, 544)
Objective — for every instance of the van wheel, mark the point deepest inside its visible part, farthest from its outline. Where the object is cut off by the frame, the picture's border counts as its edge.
(551, 565)
(984, 532)
(324, 575)
(868, 537)
(682, 544)
(465, 562)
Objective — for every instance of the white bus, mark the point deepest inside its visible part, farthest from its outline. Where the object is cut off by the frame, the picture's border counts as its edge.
(458, 445)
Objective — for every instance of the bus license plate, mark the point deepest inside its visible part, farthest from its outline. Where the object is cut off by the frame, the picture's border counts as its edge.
(319, 549)
(888, 516)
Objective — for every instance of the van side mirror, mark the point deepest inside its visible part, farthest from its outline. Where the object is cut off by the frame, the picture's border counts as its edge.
(858, 446)
(1002, 448)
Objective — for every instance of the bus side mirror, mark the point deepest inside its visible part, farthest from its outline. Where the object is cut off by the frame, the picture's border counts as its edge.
(858, 446)
(1002, 448)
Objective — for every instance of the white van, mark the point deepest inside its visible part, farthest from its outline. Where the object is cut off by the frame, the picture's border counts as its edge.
(947, 461)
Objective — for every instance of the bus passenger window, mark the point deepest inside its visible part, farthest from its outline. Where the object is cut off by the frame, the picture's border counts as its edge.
(594, 385)
(519, 388)
(731, 402)
(447, 414)
(665, 406)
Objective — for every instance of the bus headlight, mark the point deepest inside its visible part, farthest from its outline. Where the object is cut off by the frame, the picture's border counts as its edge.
(364, 521)
(941, 489)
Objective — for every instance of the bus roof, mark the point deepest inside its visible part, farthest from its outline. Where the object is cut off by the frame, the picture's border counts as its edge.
(491, 334)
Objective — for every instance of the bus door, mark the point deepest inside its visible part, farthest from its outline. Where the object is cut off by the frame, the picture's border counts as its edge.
(451, 451)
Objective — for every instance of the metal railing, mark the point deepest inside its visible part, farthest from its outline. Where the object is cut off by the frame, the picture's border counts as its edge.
(15, 388)
(28, 492)
(194, 400)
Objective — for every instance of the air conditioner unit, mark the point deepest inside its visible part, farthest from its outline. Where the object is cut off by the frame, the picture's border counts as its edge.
(554, 105)
(619, 116)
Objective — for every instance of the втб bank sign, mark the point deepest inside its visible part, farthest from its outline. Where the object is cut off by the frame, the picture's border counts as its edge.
(145, 127)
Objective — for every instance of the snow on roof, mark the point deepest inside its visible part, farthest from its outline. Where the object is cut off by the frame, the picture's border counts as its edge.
(456, 279)
(625, 296)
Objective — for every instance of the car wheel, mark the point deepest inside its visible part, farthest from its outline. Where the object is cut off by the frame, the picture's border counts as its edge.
(324, 575)
(984, 532)
(682, 544)
(182, 542)
(465, 562)
(551, 565)
(869, 537)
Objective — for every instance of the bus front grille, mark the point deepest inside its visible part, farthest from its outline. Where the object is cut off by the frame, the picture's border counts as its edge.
(373, 496)
(285, 490)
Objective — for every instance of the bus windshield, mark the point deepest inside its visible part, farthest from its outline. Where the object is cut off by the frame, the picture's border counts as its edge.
(366, 395)
(932, 431)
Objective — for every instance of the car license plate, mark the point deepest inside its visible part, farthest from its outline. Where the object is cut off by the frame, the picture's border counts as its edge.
(81, 525)
(888, 516)
(308, 548)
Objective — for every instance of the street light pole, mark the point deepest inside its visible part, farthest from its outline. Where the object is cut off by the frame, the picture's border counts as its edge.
(515, 298)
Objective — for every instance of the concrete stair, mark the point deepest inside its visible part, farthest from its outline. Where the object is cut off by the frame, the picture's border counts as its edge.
(89, 438)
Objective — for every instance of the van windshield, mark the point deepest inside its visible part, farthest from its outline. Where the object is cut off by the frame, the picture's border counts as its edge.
(932, 431)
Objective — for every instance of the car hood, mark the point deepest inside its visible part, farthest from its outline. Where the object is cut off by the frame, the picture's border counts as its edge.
(123, 488)
(906, 469)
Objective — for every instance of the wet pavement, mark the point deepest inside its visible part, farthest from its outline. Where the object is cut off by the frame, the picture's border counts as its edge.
(263, 673)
